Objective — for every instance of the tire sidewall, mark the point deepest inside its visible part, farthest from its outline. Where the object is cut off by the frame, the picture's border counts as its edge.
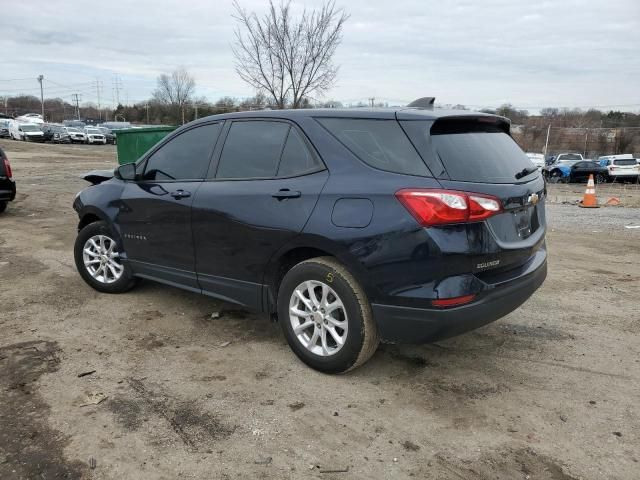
(124, 283)
(348, 354)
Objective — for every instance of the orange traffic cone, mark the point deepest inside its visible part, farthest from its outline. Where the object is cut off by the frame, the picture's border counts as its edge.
(589, 200)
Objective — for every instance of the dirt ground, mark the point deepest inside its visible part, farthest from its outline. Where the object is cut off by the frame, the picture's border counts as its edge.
(549, 392)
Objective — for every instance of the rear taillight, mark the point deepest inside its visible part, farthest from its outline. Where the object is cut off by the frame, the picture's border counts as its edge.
(443, 207)
(453, 301)
(7, 167)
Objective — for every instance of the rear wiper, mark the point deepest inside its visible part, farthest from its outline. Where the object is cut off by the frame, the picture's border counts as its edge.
(526, 171)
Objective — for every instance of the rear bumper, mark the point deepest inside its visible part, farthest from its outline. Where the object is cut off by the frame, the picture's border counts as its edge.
(7, 191)
(402, 324)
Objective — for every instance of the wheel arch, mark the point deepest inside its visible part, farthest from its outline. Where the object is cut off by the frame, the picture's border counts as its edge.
(298, 251)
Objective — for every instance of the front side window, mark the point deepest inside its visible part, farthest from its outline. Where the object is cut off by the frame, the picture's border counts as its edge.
(185, 157)
(252, 149)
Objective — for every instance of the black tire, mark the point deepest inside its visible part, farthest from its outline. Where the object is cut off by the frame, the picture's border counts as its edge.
(601, 178)
(3, 206)
(362, 338)
(126, 282)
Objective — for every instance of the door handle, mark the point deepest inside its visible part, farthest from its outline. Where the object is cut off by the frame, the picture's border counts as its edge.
(286, 193)
(178, 194)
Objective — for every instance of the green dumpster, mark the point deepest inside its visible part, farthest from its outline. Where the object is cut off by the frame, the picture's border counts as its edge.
(132, 143)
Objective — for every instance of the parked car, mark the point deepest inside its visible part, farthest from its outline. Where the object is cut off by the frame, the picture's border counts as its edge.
(4, 128)
(7, 183)
(537, 159)
(94, 135)
(350, 226)
(76, 135)
(55, 133)
(575, 157)
(568, 171)
(35, 118)
(79, 124)
(621, 167)
(27, 132)
(108, 134)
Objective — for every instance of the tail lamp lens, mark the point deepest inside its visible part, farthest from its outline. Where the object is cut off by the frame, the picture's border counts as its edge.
(452, 302)
(442, 207)
(7, 168)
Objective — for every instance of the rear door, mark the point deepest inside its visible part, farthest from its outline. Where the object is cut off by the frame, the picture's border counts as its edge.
(478, 155)
(258, 196)
(155, 211)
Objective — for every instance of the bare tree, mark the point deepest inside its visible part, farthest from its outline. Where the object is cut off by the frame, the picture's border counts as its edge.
(288, 58)
(175, 90)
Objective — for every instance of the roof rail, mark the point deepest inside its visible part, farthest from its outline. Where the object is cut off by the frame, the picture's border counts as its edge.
(424, 102)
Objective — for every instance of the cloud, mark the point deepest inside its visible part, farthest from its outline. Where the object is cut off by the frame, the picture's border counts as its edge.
(476, 53)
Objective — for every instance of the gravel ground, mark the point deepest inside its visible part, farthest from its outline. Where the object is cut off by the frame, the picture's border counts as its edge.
(612, 220)
(548, 392)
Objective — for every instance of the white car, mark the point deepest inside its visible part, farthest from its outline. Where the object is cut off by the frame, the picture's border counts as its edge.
(26, 132)
(94, 135)
(31, 118)
(621, 167)
(537, 159)
(76, 135)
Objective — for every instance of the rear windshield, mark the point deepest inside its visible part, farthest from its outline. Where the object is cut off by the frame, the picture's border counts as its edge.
(471, 150)
(627, 161)
(379, 143)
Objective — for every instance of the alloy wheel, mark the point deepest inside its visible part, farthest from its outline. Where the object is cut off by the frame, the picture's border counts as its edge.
(318, 318)
(101, 260)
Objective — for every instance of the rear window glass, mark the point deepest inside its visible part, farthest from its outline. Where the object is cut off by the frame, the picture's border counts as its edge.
(570, 156)
(379, 143)
(480, 157)
(627, 161)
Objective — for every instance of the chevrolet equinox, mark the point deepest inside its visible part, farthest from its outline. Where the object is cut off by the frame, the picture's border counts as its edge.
(350, 226)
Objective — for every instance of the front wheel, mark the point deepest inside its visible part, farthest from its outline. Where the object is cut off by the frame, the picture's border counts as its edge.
(97, 257)
(326, 317)
(601, 178)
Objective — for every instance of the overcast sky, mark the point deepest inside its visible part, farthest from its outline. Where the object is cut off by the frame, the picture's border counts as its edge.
(479, 53)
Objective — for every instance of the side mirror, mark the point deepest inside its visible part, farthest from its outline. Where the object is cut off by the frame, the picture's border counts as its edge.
(126, 172)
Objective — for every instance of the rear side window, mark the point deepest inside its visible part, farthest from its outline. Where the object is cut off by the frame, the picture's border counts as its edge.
(252, 149)
(379, 143)
(626, 161)
(185, 157)
(296, 158)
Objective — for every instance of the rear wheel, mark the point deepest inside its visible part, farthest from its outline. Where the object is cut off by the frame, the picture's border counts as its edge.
(97, 257)
(326, 317)
(3, 206)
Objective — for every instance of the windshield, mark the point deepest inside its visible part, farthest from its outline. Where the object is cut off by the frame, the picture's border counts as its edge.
(626, 161)
(93, 131)
(567, 162)
(73, 130)
(29, 128)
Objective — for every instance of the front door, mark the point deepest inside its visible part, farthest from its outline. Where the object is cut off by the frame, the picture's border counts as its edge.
(155, 210)
(266, 185)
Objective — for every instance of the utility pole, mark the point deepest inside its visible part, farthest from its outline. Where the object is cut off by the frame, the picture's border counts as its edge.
(40, 78)
(146, 106)
(76, 99)
(372, 101)
(98, 87)
(117, 85)
(546, 143)
(195, 105)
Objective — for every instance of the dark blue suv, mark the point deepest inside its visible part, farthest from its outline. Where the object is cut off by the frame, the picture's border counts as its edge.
(349, 226)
